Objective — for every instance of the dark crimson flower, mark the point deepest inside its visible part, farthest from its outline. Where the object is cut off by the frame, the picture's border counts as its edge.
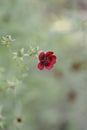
(19, 120)
(76, 66)
(47, 60)
(72, 95)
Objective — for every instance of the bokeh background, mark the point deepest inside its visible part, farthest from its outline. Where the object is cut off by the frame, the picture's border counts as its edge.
(45, 100)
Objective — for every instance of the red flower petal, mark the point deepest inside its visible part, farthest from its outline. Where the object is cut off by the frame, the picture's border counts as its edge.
(53, 59)
(49, 53)
(40, 66)
(41, 55)
(49, 67)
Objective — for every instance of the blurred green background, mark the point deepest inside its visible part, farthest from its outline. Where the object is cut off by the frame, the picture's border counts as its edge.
(45, 100)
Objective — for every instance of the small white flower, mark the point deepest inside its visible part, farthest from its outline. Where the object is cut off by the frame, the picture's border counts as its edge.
(20, 54)
(7, 40)
(12, 83)
(33, 51)
(1, 118)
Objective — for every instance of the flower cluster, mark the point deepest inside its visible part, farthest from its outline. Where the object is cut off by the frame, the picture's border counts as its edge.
(22, 57)
(20, 54)
(46, 60)
(7, 40)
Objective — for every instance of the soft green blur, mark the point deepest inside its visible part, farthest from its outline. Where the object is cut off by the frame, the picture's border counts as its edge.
(45, 100)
